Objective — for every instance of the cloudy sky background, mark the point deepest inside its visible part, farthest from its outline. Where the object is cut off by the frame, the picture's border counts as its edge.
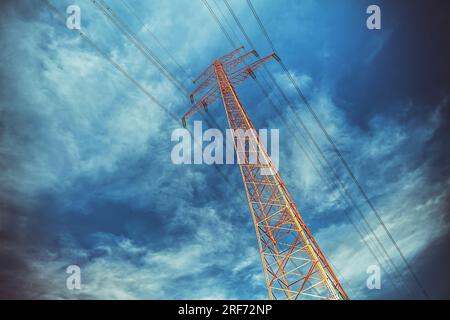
(86, 176)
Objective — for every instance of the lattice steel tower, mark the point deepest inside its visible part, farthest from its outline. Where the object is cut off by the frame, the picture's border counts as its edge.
(293, 264)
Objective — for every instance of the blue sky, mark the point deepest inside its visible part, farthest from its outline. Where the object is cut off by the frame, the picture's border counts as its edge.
(86, 176)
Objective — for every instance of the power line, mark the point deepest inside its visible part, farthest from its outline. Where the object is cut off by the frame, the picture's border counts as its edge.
(132, 37)
(218, 22)
(144, 25)
(336, 150)
(117, 66)
(226, 20)
(239, 24)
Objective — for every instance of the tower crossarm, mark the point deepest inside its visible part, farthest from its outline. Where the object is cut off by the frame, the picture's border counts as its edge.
(204, 85)
(205, 74)
(249, 71)
(230, 56)
(209, 98)
(233, 64)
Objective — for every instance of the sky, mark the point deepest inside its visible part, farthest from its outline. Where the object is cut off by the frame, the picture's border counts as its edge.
(86, 176)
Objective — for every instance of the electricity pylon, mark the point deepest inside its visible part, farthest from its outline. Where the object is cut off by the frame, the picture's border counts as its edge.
(293, 264)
